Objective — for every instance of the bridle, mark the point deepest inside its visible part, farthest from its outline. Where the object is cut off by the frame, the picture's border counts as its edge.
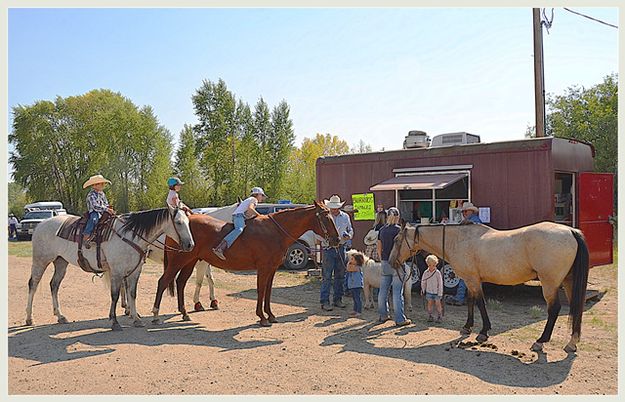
(326, 233)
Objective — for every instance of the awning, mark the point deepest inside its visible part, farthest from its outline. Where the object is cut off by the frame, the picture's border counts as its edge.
(419, 182)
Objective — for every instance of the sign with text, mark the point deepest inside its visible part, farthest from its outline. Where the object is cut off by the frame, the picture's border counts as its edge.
(364, 207)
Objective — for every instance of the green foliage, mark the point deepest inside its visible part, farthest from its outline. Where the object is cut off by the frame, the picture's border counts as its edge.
(238, 149)
(60, 144)
(17, 198)
(589, 115)
(300, 178)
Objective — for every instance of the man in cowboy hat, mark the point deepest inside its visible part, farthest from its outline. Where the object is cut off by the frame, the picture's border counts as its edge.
(97, 204)
(334, 259)
(470, 213)
(247, 208)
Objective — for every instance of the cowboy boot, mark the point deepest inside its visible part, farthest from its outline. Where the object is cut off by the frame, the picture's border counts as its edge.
(219, 250)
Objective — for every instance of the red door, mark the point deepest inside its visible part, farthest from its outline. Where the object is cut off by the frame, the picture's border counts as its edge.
(596, 204)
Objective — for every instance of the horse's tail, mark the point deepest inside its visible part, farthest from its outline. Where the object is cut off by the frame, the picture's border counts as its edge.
(170, 286)
(579, 270)
(106, 278)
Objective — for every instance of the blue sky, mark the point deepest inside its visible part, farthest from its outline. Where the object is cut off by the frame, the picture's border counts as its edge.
(370, 74)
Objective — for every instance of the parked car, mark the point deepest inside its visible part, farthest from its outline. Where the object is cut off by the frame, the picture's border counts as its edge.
(30, 221)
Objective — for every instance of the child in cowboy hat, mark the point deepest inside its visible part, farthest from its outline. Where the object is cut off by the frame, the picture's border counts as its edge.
(97, 204)
(247, 208)
(173, 200)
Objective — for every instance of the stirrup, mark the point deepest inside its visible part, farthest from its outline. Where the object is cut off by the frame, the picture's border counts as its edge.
(219, 253)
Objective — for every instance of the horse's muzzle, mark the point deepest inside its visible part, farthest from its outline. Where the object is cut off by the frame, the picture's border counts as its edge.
(188, 246)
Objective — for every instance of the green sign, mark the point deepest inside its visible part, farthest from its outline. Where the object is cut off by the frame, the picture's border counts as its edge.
(364, 207)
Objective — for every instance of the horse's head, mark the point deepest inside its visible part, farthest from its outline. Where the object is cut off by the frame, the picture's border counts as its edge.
(180, 230)
(406, 244)
(325, 225)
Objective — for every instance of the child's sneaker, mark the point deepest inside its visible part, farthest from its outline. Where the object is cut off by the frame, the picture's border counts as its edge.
(354, 314)
(430, 318)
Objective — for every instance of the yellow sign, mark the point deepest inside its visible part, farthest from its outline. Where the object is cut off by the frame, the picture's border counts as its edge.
(364, 207)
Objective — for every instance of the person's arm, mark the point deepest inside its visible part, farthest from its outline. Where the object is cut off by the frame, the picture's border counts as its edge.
(440, 284)
(350, 229)
(379, 245)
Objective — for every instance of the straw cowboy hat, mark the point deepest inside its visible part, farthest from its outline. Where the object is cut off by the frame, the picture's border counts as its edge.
(95, 180)
(467, 206)
(371, 238)
(334, 202)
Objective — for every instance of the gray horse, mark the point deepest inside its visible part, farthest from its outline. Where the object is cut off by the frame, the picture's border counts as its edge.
(131, 233)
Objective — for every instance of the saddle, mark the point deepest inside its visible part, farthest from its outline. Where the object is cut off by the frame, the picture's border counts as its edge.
(72, 230)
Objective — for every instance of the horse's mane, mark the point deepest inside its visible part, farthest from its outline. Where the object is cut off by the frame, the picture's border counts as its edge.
(142, 222)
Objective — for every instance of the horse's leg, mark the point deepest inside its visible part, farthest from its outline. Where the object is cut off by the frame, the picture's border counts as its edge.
(163, 281)
(60, 268)
(466, 330)
(116, 284)
(131, 293)
(568, 291)
(272, 318)
(481, 305)
(408, 293)
(261, 288)
(200, 271)
(122, 296)
(36, 273)
(181, 282)
(211, 287)
(550, 293)
(367, 290)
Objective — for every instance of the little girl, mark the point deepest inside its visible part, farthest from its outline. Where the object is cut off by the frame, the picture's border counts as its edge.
(355, 280)
(432, 287)
(173, 200)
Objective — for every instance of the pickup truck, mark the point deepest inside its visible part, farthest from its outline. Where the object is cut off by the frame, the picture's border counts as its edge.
(27, 226)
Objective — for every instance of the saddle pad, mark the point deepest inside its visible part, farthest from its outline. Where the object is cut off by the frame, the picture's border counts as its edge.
(69, 229)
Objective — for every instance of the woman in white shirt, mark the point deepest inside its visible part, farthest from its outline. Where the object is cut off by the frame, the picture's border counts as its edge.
(246, 209)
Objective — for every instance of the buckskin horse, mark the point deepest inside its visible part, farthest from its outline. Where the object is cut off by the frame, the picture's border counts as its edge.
(555, 254)
(124, 251)
(261, 247)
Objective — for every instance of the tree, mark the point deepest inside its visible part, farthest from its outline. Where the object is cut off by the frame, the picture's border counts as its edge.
(589, 115)
(279, 146)
(195, 191)
(17, 198)
(361, 148)
(60, 144)
(300, 180)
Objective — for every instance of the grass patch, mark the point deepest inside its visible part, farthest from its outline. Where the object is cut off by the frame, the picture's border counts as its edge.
(21, 249)
(536, 312)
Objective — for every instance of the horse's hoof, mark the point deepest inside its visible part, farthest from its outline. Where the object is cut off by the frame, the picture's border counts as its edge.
(127, 312)
(29, 322)
(198, 307)
(537, 347)
(116, 327)
(138, 324)
(62, 320)
(465, 331)
(570, 349)
(265, 323)
(214, 304)
(273, 320)
(481, 338)
(186, 317)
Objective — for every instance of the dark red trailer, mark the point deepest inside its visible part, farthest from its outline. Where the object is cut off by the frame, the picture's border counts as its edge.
(515, 183)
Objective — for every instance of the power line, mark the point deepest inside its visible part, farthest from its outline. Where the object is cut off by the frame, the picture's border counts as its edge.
(590, 18)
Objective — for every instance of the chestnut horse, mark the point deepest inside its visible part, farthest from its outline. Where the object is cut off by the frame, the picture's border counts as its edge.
(555, 254)
(261, 247)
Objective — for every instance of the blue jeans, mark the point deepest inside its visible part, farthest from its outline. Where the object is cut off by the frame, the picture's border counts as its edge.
(356, 293)
(461, 291)
(386, 282)
(239, 224)
(94, 217)
(334, 261)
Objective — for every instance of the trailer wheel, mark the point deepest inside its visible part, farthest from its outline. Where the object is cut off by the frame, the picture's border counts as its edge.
(450, 280)
(296, 257)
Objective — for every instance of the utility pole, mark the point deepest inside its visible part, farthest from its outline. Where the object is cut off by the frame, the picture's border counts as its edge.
(539, 72)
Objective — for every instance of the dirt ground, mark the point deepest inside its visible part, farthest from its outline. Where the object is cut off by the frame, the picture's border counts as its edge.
(309, 351)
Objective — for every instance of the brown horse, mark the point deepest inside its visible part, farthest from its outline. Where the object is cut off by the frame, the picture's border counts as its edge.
(261, 247)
